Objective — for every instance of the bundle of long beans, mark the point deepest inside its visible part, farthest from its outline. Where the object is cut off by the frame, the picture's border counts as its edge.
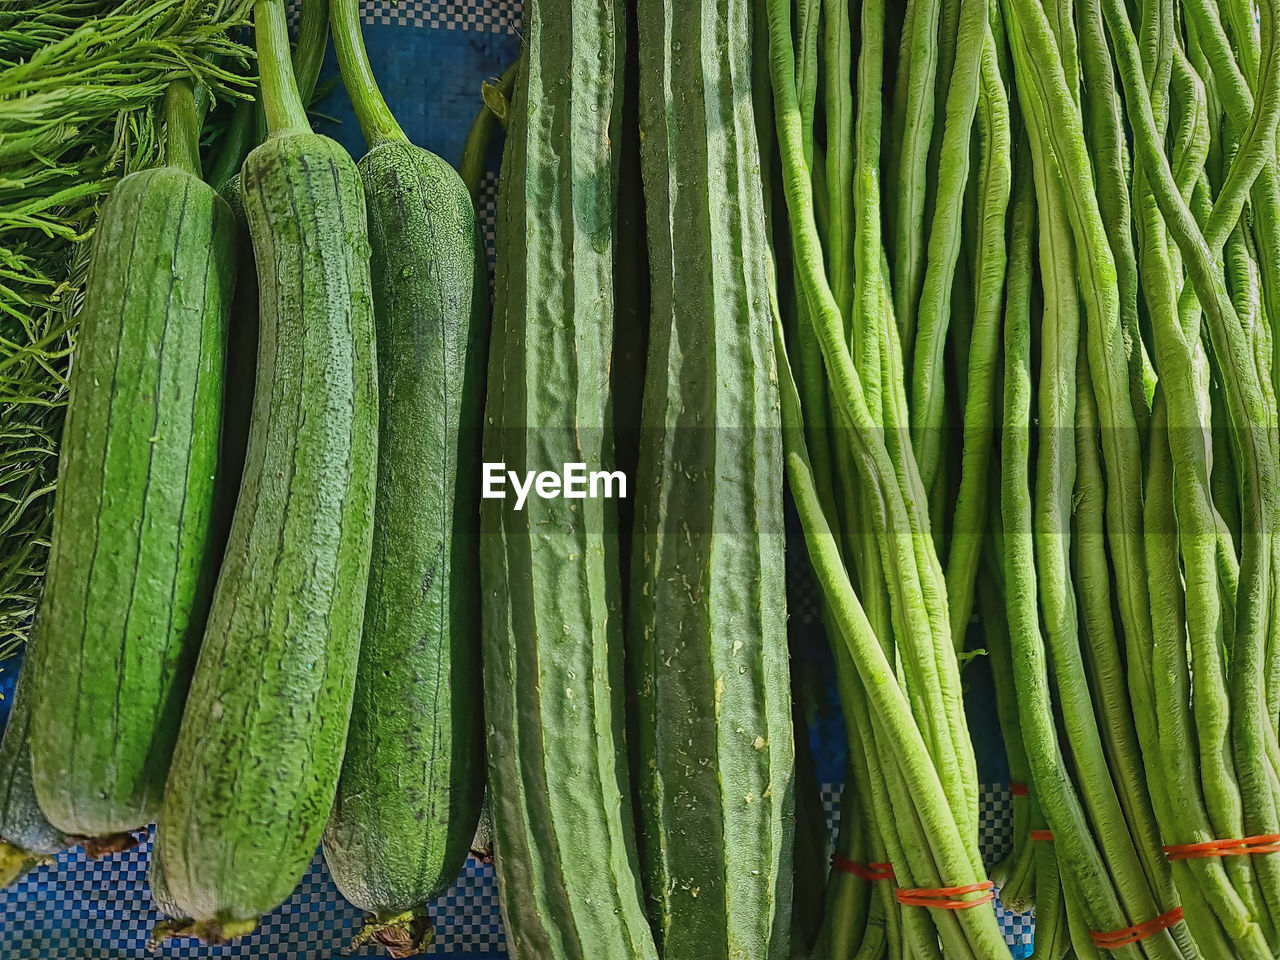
(1038, 369)
(862, 497)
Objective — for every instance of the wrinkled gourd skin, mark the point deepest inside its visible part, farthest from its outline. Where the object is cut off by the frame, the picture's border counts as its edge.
(413, 775)
(564, 843)
(133, 557)
(258, 757)
(706, 637)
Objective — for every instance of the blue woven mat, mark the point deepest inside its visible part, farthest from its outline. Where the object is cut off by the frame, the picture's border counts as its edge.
(102, 910)
(430, 57)
(86, 910)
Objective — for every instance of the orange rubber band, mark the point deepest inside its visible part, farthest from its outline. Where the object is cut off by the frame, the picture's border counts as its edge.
(1044, 836)
(1122, 938)
(871, 872)
(947, 898)
(1269, 843)
(1019, 789)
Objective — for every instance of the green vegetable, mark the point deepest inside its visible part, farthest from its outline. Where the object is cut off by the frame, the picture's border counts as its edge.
(133, 555)
(242, 363)
(553, 660)
(242, 135)
(27, 839)
(413, 775)
(312, 41)
(492, 112)
(919, 767)
(1128, 589)
(707, 630)
(98, 68)
(258, 756)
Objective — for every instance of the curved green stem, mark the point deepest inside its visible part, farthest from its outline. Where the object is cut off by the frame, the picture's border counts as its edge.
(376, 120)
(913, 110)
(236, 144)
(839, 101)
(308, 53)
(182, 127)
(280, 99)
(476, 149)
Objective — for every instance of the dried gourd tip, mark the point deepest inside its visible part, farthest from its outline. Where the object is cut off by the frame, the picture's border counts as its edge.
(95, 848)
(213, 932)
(168, 930)
(402, 935)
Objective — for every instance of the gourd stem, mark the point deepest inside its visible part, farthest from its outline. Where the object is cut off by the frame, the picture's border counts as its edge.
(308, 55)
(283, 105)
(182, 122)
(476, 149)
(239, 139)
(376, 119)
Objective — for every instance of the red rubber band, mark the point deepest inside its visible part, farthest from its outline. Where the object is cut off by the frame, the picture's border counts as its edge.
(871, 872)
(1268, 843)
(1122, 938)
(1044, 836)
(1019, 789)
(947, 898)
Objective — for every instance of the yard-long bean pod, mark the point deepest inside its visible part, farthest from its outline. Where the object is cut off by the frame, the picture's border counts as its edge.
(1073, 841)
(1189, 514)
(1019, 872)
(894, 535)
(839, 104)
(1041, 80)
(1129, 263)
(867, 440)
(944, 240)
(1252, 733)
(994, 173)
(884, 696)
(913, 122)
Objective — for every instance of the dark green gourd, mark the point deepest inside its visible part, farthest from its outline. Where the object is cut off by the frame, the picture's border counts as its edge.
(553, 673)
(412, 780)
(707, 629)
(134, 554)
(258, 757)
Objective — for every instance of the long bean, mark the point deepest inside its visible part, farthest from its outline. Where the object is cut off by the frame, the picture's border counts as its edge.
(1038, 67)
(892, 523)
(995, 175)
(839, 123)
(913, 124)
(1253, 735)
(1035, 709)
(944, 239)
(884, 696)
